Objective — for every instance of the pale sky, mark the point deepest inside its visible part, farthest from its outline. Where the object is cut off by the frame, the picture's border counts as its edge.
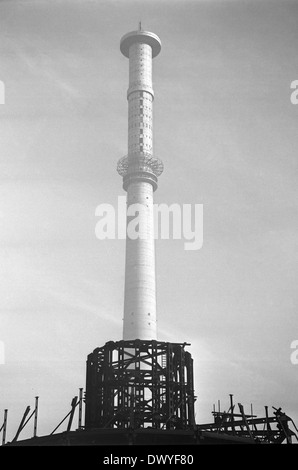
(226, 131)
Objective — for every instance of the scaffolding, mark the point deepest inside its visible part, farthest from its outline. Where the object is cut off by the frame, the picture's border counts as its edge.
(137, 384)
(272, 429)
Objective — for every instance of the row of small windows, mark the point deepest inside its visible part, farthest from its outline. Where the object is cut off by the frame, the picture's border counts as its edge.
(136, 145)
(141, 103)
(149, 117)
(135, 72)
(149, 312)
(141, 46)
(140, 146)
(141, 109)
(142, 50)
(137, 137)
(140, 130)
(140, 66)
(139, 118)
(139, 125)
(138, 96)
(133, 97)
(143, 59)
(145, 55)
(139, 122)
(140, 142)
(140, 70)
(142, 138)
(141, 99)
(140, 63)
(141, 112)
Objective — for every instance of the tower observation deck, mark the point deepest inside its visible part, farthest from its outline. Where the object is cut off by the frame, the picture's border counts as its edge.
(140, 170)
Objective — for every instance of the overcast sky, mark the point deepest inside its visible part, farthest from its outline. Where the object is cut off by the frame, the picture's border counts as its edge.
(226, 131)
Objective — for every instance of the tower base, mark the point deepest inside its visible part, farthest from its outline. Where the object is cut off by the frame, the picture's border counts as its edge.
(140, 384)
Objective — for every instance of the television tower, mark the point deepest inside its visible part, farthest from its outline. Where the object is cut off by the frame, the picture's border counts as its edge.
(139, 381)
(140, 169)
(140, 390)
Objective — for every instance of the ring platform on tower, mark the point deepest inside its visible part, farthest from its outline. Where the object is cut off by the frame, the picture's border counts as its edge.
(140, 36)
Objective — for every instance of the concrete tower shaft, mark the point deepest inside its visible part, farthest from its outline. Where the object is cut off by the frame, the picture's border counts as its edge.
(140, 169)
(140, 99)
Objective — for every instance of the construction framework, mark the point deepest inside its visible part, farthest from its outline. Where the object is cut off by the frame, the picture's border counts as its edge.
(272, 429)
(140, 383)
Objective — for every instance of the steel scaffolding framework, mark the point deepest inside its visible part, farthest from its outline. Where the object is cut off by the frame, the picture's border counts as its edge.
(269, 429)
(140, 383)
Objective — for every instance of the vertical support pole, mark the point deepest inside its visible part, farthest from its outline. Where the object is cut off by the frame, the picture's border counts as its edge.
(232, 413)
(73, 407)
(268, 427)
(251, 415)
(80, 407)
(155, 399)
(131, 417)
(245, 420)
(253, 425)
(4, 427)
(183, 396)
(190, 390)
(35, 417)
